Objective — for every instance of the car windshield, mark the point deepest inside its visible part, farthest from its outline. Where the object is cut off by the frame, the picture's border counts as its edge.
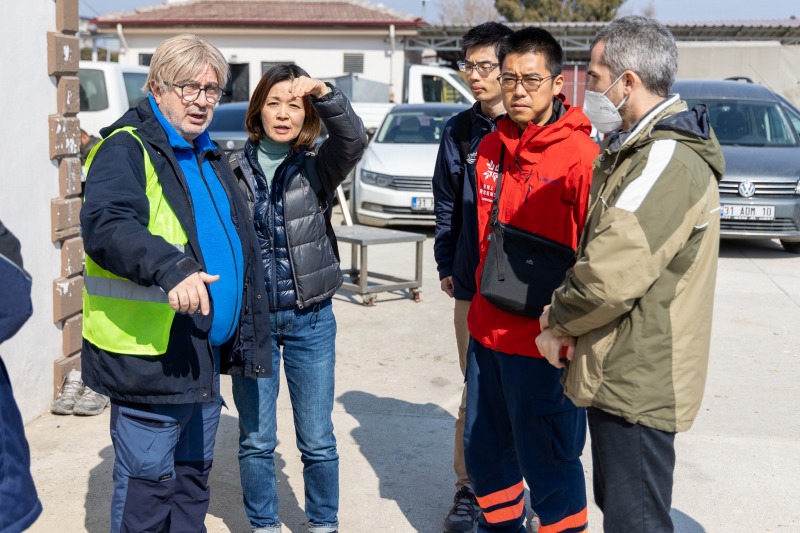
(228, 119)
(415, 127)
(748, 123)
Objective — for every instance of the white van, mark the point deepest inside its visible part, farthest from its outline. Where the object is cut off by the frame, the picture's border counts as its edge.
(107, 91)
(421, 84)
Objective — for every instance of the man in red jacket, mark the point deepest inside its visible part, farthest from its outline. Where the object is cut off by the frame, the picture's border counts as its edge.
(519, 424)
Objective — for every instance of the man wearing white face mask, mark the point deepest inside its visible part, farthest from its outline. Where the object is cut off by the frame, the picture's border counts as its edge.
(639, 299)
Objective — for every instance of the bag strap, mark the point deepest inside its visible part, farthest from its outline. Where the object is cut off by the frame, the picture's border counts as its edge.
(495, 207)
(497, 231)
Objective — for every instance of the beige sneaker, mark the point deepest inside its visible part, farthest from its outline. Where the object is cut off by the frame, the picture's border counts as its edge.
(71, 391)
(90, 403)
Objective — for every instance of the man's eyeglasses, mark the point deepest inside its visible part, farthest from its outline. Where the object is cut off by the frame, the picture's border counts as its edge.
(529, 83)
(483, 67)
(191, 92)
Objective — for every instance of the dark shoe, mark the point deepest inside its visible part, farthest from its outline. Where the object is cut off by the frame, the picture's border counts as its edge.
(463, 516)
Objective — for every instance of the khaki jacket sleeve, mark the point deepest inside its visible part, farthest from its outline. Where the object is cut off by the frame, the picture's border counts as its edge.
(635, 239)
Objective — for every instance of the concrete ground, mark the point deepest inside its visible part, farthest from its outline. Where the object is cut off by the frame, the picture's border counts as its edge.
(398, 389)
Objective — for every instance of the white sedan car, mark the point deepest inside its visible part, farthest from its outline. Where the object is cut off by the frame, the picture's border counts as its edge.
(392, 183)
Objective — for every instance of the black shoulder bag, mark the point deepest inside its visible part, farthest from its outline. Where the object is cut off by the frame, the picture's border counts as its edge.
(521, 269)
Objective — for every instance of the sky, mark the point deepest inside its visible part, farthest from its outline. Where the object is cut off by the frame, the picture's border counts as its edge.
(666, 10)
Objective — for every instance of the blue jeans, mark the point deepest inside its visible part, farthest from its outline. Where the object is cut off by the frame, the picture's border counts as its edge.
(308, 341)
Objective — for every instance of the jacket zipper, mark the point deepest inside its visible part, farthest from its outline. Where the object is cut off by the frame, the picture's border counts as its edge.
(227, 236)
(231, 328)
(273, 281)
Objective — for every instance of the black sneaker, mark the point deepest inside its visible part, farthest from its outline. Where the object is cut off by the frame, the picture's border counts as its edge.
(463, 516)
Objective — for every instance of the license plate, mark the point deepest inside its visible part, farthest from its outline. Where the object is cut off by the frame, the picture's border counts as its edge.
(747, 212)
(422, 204)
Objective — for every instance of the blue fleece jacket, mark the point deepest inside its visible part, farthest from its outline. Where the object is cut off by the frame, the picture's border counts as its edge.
(219, 242)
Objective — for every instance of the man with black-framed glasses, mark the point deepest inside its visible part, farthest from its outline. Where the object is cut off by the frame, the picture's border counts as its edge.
(534, 174)
(456, 244)
(174, 290)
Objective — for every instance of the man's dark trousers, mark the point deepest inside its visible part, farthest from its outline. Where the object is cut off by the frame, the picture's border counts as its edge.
(520, 425)
(632, 470)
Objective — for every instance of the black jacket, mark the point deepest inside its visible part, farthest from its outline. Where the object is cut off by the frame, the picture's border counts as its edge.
(292, 219)
(114, 219)
(456, 243)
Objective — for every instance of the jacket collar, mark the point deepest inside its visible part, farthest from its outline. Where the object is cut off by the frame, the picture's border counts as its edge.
(143, 117)
(623, 138)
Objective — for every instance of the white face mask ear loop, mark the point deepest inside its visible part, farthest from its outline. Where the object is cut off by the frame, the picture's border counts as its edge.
(613, 83)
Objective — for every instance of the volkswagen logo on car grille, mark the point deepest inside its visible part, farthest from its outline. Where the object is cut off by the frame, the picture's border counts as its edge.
(747, 189)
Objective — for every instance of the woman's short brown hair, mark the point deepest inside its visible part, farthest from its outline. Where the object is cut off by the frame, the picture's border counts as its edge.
(312, 124)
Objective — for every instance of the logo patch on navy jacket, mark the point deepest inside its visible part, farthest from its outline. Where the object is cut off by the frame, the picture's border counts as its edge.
(471, 158)
(165, 477)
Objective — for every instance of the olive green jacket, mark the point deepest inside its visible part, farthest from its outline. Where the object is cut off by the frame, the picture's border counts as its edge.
(641, 293)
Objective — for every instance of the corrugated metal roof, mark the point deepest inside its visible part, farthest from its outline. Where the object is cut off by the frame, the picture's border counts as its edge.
(261, 13)
(767, 23)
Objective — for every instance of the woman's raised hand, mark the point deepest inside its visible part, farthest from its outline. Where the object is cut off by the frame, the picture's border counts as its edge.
(302, 86)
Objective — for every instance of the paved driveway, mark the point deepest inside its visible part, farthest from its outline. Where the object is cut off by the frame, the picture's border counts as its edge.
(399, 386)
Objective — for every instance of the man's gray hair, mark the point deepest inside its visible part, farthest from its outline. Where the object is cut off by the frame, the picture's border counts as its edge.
(180, 58)
(642, 45)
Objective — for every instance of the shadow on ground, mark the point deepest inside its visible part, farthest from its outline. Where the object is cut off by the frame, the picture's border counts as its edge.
(410, 448)
(755, 249)
(684, 523)
(226, 489)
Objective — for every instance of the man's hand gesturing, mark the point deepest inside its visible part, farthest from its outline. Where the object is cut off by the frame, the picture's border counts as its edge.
(191, 295)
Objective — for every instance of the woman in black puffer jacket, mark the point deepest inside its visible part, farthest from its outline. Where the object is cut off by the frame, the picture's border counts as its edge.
(290, 187)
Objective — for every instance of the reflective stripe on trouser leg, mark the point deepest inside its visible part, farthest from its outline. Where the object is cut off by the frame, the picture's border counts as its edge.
(504, 505)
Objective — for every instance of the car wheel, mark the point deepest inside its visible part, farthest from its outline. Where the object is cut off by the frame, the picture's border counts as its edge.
(793, 247)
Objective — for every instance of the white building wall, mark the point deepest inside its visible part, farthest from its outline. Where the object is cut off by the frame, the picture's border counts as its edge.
(28, 181)
(322, 55)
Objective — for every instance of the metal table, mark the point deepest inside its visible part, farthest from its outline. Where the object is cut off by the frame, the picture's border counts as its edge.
(360, 238)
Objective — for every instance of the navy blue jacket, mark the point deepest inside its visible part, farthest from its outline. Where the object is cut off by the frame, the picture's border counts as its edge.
(19, 504)
(114, 221)
(292, 218)
(456, 243)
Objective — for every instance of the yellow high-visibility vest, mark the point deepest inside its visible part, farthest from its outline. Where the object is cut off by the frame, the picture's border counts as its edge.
(119, 315)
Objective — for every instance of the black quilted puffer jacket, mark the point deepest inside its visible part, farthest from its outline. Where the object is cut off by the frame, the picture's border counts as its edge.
(292, 218)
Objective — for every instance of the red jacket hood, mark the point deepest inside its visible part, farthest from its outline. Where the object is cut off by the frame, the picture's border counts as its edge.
(571, 120)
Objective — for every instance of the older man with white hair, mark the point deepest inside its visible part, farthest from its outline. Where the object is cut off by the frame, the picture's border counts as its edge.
(173, 289)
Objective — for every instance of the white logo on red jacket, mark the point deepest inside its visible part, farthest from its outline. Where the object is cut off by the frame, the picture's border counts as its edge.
(488, 182)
